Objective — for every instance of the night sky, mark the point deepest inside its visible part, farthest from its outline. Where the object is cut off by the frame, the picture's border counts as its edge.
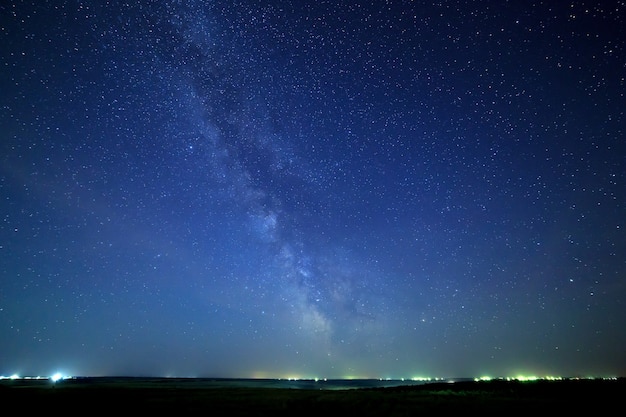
(313, 188)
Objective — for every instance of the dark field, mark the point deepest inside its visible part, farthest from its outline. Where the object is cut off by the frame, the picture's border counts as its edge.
(122, 395)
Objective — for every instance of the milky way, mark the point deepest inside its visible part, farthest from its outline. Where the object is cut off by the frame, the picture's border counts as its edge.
(312, 189)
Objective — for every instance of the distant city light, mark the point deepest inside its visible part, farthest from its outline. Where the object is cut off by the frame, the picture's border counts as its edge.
(58, 376)
(54, 378)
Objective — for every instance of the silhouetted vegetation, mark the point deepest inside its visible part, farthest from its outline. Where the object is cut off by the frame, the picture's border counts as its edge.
(130, 395)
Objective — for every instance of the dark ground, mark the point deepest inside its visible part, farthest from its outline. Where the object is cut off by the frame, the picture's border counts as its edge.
(83, 396)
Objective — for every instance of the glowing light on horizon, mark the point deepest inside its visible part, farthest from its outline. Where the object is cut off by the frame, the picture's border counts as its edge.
(521, 378)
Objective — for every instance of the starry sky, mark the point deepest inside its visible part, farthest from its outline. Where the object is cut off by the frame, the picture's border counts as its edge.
(313, 188)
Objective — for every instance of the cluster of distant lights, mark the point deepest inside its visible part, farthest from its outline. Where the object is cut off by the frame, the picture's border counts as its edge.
(54, 378)
(523, 378)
